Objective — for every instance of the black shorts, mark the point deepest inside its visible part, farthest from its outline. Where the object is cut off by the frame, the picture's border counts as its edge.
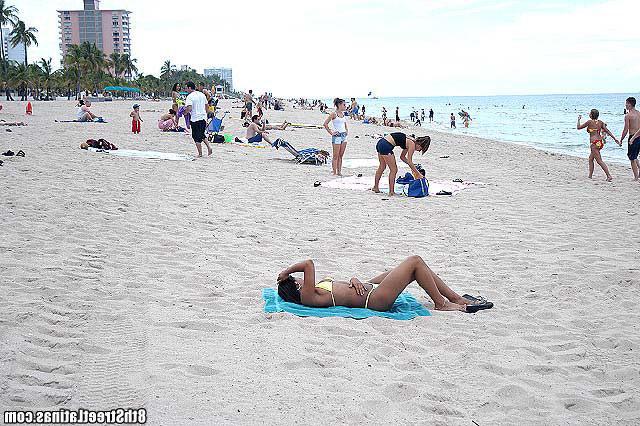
(634, 149)
(197, 130)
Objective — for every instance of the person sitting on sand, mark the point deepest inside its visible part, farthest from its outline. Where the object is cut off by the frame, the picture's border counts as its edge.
(595, 128)
(168, 121)
(385, 147)
(84, 112)
(256, 132)
(378, 294)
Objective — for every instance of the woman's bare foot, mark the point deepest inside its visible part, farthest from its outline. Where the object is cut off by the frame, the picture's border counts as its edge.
(391, 194)
(376, 190)
(450, 306)
(461, 301)
(609, 179)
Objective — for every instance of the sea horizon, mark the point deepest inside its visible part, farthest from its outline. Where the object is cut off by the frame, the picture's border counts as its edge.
(547, 122)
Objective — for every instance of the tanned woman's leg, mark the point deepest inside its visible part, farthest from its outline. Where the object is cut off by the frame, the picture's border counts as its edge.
(413, 268)
(379, 172)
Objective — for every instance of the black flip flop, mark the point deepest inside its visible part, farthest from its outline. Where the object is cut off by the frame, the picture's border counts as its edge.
(1, 162)
(458, 180)
(20, 153)
(443, 192)
(8, 153)
(479, 304)
(317, 183)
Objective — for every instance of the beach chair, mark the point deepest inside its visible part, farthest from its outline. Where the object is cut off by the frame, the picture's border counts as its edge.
(214, 126)
(306, 156)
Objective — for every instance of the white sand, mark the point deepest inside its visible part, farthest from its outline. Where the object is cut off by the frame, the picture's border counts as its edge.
(137, 283)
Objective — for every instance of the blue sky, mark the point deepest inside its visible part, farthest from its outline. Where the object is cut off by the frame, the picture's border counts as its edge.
(394, 48)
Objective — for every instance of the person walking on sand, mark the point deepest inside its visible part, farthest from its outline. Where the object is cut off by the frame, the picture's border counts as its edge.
(338, 134)
(595, 128)
(135, 119)
(422, 115)
(385, 147)
(453, 121)
(430, 115)
(632, 127)
(248, 103)
(196, 106)
(397, 114)
(355, 109)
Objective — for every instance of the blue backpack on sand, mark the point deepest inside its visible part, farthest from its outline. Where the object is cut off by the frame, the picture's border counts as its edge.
(418, 188)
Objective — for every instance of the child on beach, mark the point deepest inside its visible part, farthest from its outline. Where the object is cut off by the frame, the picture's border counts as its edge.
(338, 134)
(136, 120)
(596, 128)
(453, 121)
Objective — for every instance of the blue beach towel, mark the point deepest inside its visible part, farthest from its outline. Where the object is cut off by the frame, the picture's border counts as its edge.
(406, 307)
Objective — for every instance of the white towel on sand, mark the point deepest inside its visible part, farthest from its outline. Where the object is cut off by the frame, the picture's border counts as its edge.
(365, 183)
(153, 155)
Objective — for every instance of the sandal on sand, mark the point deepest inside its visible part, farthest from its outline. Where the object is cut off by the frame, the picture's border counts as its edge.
(443, 192)
(317, 183)
(20, 153)
(458, 180)
(479, 304)
(8, 153)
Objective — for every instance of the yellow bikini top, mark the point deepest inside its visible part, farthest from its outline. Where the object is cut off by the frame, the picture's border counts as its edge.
(326, 284)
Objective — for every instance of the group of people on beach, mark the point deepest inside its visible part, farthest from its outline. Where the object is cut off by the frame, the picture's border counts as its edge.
(339, 131)
(598, 131)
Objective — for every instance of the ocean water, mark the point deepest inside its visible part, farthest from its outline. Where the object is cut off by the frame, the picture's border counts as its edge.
(546, 122)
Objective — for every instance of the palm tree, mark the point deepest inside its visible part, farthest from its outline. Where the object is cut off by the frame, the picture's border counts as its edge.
(20, 76)
(167, 70)
(22, 34)
(129, 66)
(8, 15)
(75, 60)
(115, 63)
(45, 72)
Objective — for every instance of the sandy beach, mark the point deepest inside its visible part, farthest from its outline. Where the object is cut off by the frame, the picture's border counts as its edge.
(137, 283)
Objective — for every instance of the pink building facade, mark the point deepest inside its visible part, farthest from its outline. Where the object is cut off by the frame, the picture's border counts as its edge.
(108, 29)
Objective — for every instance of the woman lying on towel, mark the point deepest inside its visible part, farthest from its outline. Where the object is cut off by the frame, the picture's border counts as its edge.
(378, 293)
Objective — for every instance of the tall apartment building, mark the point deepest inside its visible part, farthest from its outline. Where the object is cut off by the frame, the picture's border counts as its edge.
(12, 53)
(108, 29)
(225, 74)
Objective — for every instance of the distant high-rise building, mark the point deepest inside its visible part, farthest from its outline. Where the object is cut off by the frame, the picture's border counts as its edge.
(12, 53)
(225, 74)
(108, 29)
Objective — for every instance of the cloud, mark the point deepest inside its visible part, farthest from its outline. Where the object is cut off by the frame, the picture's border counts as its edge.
(401, 48)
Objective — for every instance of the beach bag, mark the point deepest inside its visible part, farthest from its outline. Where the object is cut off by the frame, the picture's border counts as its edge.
(406, 179)
(218, 138)
(418, 188)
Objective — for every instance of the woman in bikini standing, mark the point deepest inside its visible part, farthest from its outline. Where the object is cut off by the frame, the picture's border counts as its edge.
(378, 293)
(595, 128)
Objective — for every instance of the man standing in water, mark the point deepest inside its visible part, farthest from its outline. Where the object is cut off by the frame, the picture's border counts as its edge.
(430, 115)
(632, 126)
(397, 114)
(196, 105)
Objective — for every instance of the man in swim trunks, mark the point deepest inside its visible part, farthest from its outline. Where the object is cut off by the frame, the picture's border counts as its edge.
(257, 132)
(248, 102)
(632, 126)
